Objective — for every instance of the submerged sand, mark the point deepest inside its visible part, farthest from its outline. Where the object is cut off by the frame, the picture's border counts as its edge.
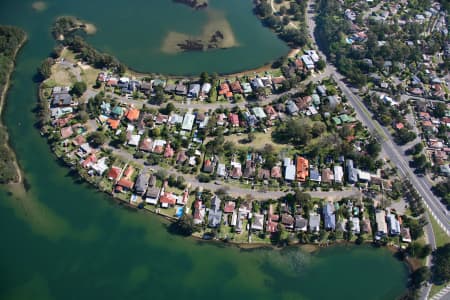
(39, 6)
(216, 22)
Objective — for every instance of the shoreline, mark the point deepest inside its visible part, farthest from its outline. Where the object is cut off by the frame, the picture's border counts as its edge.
(3, 99)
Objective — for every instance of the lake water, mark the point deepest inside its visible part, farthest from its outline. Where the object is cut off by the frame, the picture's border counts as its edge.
(64, 240)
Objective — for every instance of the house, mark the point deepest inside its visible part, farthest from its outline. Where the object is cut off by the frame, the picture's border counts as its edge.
(234, 119)
(63, 99)
(394, 224)
(168, 151)
(321, 90)
(208, 166)
(247, 88)
(114, 173)
(276, 172)
(142, 183)
(146, 145)
(113, 123)
(134, 140)
(181, 157)
(221, 170)
(314, 222)
(152, 195)
(214, 213)
(229, 207)
(132, 114)
(124, 184)
(181, 89)
(259, 113)
(188, 122)
(167, 199)
(327, 175)
(313, 55)
(363, 176)
(271, 112)
(291, 107)
(301, 224)
(100, 166)
(249, 170)
(263, 174)
(307, 61)
(194, 90)
(236, 170)
(288, 221)
(405, 235)
(302, 169)
(258, 222)
(257, 83)
(380, 217)
(199, 212)
(66, 132)
(206, 88)
(314, 174)
(329, 216)
(289, 172)
(355, 225)
(352, 173)
(236, 87)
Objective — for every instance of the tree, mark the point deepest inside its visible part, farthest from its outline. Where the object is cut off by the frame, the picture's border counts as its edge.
(45, 69)
(321, 64)
(441, 264)
(419, 276)
(96, 139)
(170, 107)
(83, 117)
(78, 88)
(318, 128)
(204, 77)
(439, 110)
(373, 148)
(184, 225)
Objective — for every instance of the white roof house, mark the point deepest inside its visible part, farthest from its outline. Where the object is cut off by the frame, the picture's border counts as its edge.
(100, 166)
(134, 140)
(394, 225)
(380, 218)
(206, 88)
(290, 173)
(259, 112)
(314, 222)
(313, 55)
(363, 176)
(258, 222)
(194, 90)
(221, 170)
(338, 174)
(188, 122)
(308, 61)
(355, 227)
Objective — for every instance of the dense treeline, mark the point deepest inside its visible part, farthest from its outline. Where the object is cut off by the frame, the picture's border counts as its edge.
(295, 37)
(442, 190)
(11, 39)
(70, 32)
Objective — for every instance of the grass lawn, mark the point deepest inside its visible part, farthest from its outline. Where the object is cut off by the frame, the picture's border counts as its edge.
(441, 237)
(62, 75)
(261, 139)
(435, 289)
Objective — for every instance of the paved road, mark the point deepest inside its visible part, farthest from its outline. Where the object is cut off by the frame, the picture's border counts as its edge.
(423, 186)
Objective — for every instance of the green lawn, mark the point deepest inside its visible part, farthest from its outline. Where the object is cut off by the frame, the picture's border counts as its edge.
(441, 237)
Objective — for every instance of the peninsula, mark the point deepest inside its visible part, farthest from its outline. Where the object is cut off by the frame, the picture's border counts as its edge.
(12, 39)
(196, 4)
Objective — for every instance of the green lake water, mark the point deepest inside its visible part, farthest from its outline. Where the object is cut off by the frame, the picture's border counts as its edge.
(63, 240)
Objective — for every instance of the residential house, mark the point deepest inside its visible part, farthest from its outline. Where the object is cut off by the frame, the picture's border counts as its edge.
(394, 224)
(355, 225)
(214, 213)
(288, 221)
(302, 169)
(329, 216)
(194, 90)
(199, 212)
(327, 176)
(167, 199)
(380, 217)
(142, 183)
(258, 222)
(314, 222)
(352, 173)
(301, 224)
(338, 174)
(188, 122)
(236, 87)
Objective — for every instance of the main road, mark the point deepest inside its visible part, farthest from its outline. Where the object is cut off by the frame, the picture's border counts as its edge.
(398, 158)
